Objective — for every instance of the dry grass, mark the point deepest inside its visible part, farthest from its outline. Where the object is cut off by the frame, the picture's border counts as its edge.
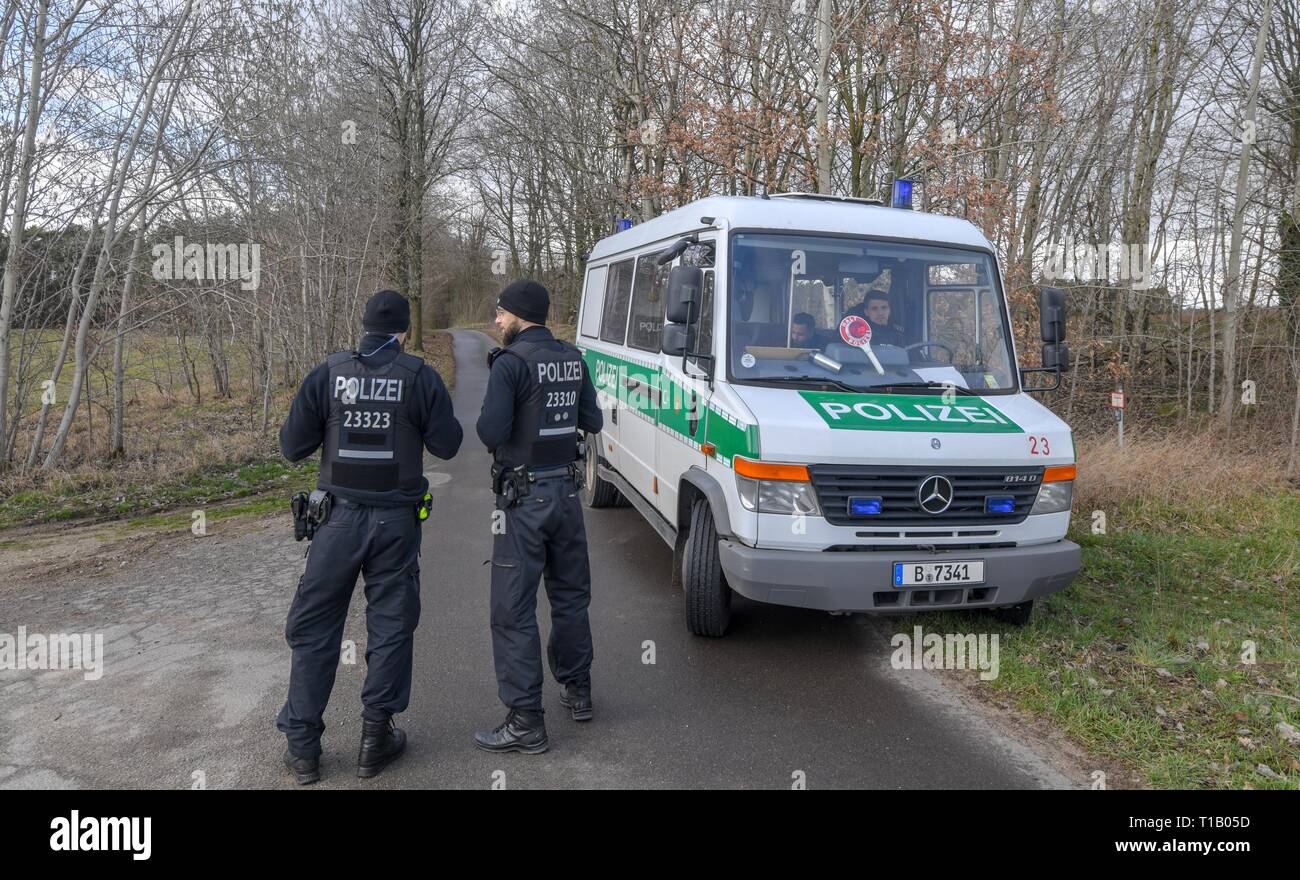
(1195, 472)
(177, 453)
(438, 352)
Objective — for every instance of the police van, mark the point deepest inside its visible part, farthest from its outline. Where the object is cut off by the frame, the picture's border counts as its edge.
(815, 401)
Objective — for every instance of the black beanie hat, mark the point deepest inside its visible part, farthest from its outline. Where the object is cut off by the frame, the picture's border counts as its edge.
(527, 299)
(387, 312)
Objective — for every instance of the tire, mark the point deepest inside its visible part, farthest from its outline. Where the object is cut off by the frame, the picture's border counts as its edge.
(708, 598)
(598, 492)
(1016, 615)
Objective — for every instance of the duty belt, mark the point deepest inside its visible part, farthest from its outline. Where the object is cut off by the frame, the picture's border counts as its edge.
(512, 484)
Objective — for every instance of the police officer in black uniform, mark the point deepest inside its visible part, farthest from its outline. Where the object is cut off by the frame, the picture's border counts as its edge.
(374, 411)
(539, 397)
(875, 308)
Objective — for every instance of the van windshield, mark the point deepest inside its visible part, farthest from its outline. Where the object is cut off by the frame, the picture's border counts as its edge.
(862, 314)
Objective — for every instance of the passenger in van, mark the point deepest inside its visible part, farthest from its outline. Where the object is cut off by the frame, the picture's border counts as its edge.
(804, 332)
(875, 308)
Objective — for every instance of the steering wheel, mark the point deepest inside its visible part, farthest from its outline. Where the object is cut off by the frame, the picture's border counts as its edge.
(930, 344)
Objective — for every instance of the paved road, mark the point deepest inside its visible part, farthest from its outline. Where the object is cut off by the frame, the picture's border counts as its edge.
(196, 668)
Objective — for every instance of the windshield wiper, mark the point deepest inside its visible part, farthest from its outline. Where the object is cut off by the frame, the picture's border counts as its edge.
(816, 380)
(941, 386)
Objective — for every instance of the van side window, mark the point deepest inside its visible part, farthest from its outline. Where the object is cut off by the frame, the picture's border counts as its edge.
(618, 293)
(593, 301)
(705, 332)
(648, 295)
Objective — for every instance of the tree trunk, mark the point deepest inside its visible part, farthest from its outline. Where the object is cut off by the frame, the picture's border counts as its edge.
(21, 187)
(1232, 288)
(117, 445)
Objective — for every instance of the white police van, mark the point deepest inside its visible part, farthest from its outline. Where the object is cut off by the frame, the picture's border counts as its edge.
(783, 452)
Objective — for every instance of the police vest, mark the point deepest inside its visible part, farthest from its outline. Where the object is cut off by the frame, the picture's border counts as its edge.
(545, 431)
(371, 441)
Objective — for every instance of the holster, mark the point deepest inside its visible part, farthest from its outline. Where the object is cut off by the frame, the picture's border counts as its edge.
(510, 483)
(580, 469)
(310, 512)
(298, 504)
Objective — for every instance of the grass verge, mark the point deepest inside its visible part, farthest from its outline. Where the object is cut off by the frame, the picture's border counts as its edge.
(206, 455)
(1174, 655)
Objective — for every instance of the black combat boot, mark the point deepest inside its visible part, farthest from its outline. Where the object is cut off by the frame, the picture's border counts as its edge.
(576, 697)
(381, 743)
(305, 770)
(522, 731)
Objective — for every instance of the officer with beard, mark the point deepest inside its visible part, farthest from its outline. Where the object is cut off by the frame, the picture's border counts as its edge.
(374, 411)
(539, 396)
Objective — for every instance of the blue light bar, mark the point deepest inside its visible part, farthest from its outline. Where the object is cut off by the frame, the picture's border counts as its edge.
(902, 197)
(865, 506)
(624, 224)
(999, 504)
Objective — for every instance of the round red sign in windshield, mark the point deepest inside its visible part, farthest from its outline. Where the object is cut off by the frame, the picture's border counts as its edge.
(855, 330)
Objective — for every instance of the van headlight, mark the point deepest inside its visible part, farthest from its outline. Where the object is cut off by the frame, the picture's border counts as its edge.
(777, 496)
(775, 488)
(1057, 490)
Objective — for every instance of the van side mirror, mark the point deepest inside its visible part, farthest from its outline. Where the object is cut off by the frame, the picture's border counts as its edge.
(1056, 356)
(1051, 315)
(1051, 326)
(684, 285)
(678, 339)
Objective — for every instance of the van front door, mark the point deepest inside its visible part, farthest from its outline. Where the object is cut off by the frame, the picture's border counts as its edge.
(684, 399)
(639, 411)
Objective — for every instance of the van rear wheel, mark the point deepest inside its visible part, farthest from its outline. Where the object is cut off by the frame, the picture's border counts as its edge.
(598, 492)
(708, 598)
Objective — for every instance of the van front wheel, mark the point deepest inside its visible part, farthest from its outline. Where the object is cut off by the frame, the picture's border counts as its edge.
(598, 492)
(708, 598)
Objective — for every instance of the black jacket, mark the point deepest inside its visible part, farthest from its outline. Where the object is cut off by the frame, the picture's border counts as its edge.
(507, 386)
(303, 431)
(881, 334)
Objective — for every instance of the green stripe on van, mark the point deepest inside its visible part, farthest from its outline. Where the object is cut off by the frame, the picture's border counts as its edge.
(731, 436)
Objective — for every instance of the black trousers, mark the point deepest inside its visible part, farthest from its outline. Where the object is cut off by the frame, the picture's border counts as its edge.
(543, 538)
(383, 544)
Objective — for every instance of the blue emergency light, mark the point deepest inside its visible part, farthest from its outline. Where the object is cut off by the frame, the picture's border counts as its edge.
(865, 506)
(902, 197)
(624, 224)
(999, 504)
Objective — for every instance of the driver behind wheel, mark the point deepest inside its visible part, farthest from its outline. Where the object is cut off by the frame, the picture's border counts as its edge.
(875, 308)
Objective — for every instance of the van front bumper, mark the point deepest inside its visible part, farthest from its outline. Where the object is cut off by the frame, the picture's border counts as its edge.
(863, 581)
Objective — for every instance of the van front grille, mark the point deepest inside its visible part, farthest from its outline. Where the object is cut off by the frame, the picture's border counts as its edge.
(896, 486)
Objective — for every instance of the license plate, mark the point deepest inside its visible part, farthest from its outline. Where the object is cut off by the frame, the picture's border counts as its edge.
(925, 574)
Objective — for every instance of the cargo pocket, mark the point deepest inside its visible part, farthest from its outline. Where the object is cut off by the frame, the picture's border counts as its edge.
(504, 592)
(413, 600)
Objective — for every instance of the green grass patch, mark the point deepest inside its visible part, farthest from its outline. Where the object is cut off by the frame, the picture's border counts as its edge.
(214, 484)
(259, 506)
(1146, 660)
